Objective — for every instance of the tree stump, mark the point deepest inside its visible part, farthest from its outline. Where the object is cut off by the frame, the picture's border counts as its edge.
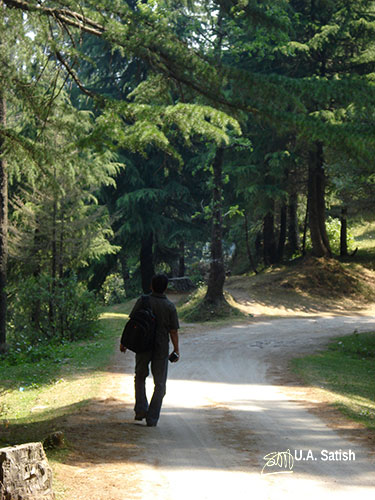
(25, 473)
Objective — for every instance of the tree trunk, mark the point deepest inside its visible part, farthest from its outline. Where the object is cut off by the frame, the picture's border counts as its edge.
(61, 246)
(216, 279)
(316, 201)
(62, 309)
(101, 270)
(124, 268)
(282, 235)
(344, 233)
(305, 225)
(3, 228)
(181, 260)
(36, 306)
(293, 235)
(52, 299)
(269, 243)
(258, 245)
(25, 473)
(249, 254)
(147, 262)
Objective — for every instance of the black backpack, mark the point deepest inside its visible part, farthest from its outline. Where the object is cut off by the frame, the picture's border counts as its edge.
(139, 332)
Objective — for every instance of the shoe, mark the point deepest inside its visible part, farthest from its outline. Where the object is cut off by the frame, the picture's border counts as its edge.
(151, 424)
(140, 416)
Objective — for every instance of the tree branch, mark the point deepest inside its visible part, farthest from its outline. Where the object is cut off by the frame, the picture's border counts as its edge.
(156, 56)
(64, 15)
(73, 74)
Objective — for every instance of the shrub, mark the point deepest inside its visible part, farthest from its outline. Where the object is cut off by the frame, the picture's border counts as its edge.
(333, 226)
(113, 291)
(333, 229)
(42, 309)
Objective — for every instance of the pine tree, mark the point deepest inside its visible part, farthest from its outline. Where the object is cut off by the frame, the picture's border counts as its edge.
(10, 85)
(295, 67)
(56, 224)
(3, 227)
(321, 57)
(332, 47)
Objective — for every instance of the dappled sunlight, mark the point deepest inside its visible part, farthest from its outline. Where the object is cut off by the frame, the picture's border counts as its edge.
(212, 450)
(113, 315)
(226, 484)
(221, 416)
(260, 308)
(310, 288)
(225, 144)
(191, 394)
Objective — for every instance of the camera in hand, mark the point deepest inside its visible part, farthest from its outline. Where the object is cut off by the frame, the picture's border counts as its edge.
(173, 357)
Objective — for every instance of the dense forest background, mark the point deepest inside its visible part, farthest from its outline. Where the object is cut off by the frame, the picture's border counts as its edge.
(194, 138)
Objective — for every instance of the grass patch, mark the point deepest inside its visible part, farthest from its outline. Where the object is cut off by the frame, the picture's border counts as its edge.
(35, 394)
(346, 373)
(195, 309)
(364, 235)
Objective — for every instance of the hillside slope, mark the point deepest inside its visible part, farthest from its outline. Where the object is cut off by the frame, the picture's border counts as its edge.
(309, 286)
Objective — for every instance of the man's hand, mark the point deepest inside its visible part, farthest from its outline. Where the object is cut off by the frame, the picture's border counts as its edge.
(122, 348)
(174, 357)
(174, 339)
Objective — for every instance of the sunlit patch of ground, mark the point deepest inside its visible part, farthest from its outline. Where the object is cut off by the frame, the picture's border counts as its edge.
(310, 287)
(112, 315)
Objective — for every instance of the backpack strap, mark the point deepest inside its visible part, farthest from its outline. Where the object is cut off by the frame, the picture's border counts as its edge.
(146, 302)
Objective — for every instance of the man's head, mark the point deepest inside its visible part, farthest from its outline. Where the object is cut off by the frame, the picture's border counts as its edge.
(159, 283)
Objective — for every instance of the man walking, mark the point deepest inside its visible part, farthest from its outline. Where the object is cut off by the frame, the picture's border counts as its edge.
(166, 326)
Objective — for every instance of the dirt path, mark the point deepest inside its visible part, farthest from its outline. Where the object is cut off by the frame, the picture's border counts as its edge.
(226, 408)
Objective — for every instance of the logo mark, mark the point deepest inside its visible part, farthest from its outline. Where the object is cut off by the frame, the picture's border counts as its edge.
(278, 462)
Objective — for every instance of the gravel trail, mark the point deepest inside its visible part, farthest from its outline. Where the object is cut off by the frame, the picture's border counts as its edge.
(224, 413)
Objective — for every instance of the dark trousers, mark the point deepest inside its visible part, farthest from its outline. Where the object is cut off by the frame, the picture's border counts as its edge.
(159, 369)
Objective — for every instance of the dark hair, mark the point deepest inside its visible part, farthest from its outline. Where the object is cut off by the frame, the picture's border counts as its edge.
(159, 283)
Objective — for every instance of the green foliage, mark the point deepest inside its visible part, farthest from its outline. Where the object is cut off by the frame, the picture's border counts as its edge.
(346, 373)
(137, 126)
(333, 229)
(51, 381)
(356, 345)
(42, 309)
(333, 226)
(23, 352)
(113, 291)
(173, 81)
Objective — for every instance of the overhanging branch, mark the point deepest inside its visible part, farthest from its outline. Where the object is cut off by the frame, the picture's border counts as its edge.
(67, 16)
(73, 74)
(156, 56)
